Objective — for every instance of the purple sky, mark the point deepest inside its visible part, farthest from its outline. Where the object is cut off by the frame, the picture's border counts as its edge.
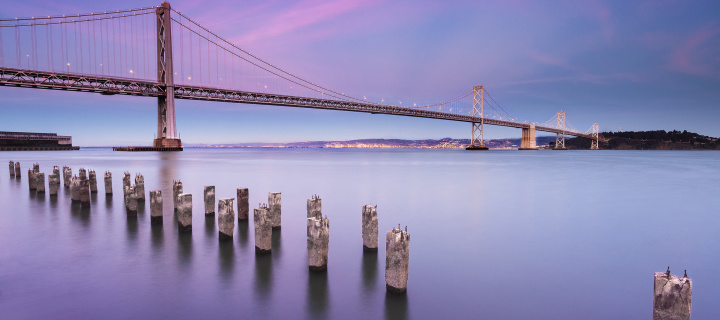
(632, 65)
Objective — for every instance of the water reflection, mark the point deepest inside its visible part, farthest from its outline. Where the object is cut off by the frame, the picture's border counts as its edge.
(132, 227)
(184, 249)
(80, 214)
(263, 276)
(396, 306)
(108, 201)
(210, 227)
(93, 198)
(243, 232)
(227, 261)
(317, 294)
(157, 238)
(369, 270)
(276, 241)
(53, 202)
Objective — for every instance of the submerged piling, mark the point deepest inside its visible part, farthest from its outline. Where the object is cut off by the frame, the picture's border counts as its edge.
(53, 183)
(108, 183)
(40, 182)
(84, 193)
(314, 207)
(140, 187)
(177, 190)
(17, 170)
(370, 228)
(131, 205)
(243, 203)
(263, 230)
(184, 212)
(209, 194)
(397, 260)
(93, 181)
(318, 241)
(226, 219)
(156, 207)
(672, 296)
(274, 208)
(12, 168)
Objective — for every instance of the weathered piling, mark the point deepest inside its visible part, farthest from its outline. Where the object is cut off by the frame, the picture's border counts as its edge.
(108, 183)
(82, 174)
(74, 189)
(17, 170)
(184, 212)
(226, 219)
(12, 169)
(36, 167)
(93, 181)
(274, 208)
(54, 183)
(140, 187)
(40, 182)
(318, 241)
(672, 296)
(126, 182)
(243, 204)
(397, 260)
(370, 228)
(131, 205)
(31, 180)
(209, 200)
(314, 207)
(67, 176)
(85, 193)
(177, 190)
(156, 207)
(56, 170)
(263, 230)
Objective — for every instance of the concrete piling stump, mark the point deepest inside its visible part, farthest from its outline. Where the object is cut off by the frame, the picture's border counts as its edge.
(84, 192)
(31, 179)
(56, 170)
(93, 181)
(53, 183)
(263, 230)
(36, 167)
(672, 296)
(226, 219)
(370, 228)
(184, 212)
(131, 205)
(12, 169)
(74, 189)
(108, 183)
(156, 207)
(209, 194)
(140, 187)
(318, 241)
(82, 174)
(177, 190)
(397, 260)
(40, 182)
(274, 208)
(126, 182)
(67, 175)
(314, 207)
(243, 204)
(17, 170)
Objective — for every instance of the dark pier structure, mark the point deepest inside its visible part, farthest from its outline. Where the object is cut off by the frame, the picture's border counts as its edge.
(32, 141)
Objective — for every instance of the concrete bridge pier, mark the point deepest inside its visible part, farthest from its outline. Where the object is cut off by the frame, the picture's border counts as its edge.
(370, 228)
(263, 230)
(528, 141)
(184, 212)
(209, 195)
(226, 219)
(671, 296)
(243, 196)
(108, 183)
(156, 207)
(318, 242)
(397, 260)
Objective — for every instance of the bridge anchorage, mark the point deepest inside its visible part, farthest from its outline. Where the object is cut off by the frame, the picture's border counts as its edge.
(159, 52)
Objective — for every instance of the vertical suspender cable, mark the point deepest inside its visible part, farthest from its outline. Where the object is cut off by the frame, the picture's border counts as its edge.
(17, 44)
(2, 56)
(77, 47)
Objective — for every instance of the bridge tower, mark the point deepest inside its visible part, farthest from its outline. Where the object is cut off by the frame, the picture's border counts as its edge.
(477, 142)
(560, 138)
(166, 131)
(595, 137)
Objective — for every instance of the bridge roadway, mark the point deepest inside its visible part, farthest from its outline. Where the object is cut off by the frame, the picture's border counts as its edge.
(115, 85)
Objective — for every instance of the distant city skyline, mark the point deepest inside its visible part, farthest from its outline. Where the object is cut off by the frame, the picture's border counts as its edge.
(645, 65)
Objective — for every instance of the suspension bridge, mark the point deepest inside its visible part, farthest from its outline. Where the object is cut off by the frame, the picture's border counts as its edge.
(160, 52)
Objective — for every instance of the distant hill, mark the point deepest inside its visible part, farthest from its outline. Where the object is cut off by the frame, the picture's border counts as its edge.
(445, 143)
(649, 140)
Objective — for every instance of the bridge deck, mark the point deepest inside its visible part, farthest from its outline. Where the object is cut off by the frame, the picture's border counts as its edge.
(114, 85)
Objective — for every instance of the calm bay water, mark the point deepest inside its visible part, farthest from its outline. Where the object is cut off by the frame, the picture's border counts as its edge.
(495, 235)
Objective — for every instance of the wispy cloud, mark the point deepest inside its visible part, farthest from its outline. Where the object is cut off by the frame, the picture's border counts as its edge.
(698, 53)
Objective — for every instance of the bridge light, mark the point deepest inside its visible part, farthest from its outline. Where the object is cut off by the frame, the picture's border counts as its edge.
(189, 78)
(131, 71)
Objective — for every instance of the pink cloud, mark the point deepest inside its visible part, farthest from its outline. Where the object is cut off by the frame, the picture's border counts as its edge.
(551, 60)
(692, 56)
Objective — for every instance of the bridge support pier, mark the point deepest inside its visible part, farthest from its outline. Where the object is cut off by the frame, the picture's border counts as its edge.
(595, 137)
(528, 141)
(477, 142)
